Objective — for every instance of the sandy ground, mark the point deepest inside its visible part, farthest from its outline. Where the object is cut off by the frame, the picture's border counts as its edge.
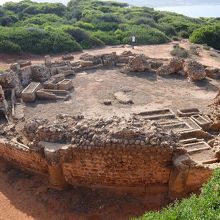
(25, 196)
(146, 91)
(153, 51)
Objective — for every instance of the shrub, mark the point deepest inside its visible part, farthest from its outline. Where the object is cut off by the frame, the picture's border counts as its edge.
(85, 25)
(106, 26)
(184, 34)
(9, 47)
(92, 43)
(179, 52)
(168, 29)
(209, 35)
(108, 38)
(41, 19)
(38, 40)
(82, 37)
(143, 20)
(145, 35)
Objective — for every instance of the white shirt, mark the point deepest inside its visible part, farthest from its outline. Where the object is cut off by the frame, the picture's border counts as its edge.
(133, 38)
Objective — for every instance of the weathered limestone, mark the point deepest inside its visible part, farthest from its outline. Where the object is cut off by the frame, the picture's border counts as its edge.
(40, 73)
(25, 75)
(68, 57)
(24, 63)
(174, 66)
(10, 79)
(3, 103)
(188, 112)
(137, 64)
(122, 98)
(65, 84)
(194, 70)
(29, 93)
(47, 60)
(212, 72)
(52, 94)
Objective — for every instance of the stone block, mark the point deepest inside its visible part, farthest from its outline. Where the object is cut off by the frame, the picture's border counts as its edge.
(29, 93)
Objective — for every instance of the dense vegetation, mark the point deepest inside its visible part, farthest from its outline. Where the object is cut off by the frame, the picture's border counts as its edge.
(52, 27)
(203, 207)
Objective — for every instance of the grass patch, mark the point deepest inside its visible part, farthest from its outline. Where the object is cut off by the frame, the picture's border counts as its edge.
(2, 68)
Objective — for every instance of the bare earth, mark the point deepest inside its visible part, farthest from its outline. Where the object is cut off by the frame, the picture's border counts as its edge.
(146, 91)
(27, 197)
(24, 196)
(153, 51)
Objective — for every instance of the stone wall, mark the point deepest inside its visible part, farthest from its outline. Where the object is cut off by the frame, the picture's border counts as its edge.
(22, 156)
(122, 167)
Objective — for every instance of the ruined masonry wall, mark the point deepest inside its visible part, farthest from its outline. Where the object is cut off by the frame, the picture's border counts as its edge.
(197, 176)
(133, 167)
(24, 158)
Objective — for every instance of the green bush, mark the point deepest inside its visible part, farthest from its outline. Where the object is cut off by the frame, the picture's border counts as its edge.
(168, 29)
(32, 8)
(91, 23)
(41, 19)
(108, 38)
(203, 207)
(38, 40)
(9, 47)
(85, 25)
(82, 37)
(184, 34)
(209, 35)
(145, 35)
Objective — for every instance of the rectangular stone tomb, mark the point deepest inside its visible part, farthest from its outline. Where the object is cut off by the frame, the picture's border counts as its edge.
(191, 123)
(202, 121)
(187, 112)
(58, 78)
(200, 151)
(29, 93)
(65, 84)
(68, 72)
(158, 114)
(49, 94)
(177, 127)
(196, 145)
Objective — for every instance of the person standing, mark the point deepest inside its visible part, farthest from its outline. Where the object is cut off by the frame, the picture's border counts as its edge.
(133, 40)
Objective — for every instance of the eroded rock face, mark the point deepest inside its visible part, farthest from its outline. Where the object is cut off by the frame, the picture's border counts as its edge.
(174, 66)
(216, 147)
(213, 72)
(10, 79)
(40, 73)
(194, 70)
(137, 64)
(32, 126)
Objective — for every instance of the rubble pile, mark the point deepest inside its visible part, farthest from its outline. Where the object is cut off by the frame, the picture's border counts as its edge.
(102, 132)
(10, 79)
(175, 65)
(194, 70)
(139, 63)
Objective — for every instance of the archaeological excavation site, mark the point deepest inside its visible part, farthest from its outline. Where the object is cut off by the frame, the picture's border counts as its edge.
(117, 122)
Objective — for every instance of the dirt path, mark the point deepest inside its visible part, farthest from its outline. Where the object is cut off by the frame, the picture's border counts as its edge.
(25, 196)
(153, 51)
